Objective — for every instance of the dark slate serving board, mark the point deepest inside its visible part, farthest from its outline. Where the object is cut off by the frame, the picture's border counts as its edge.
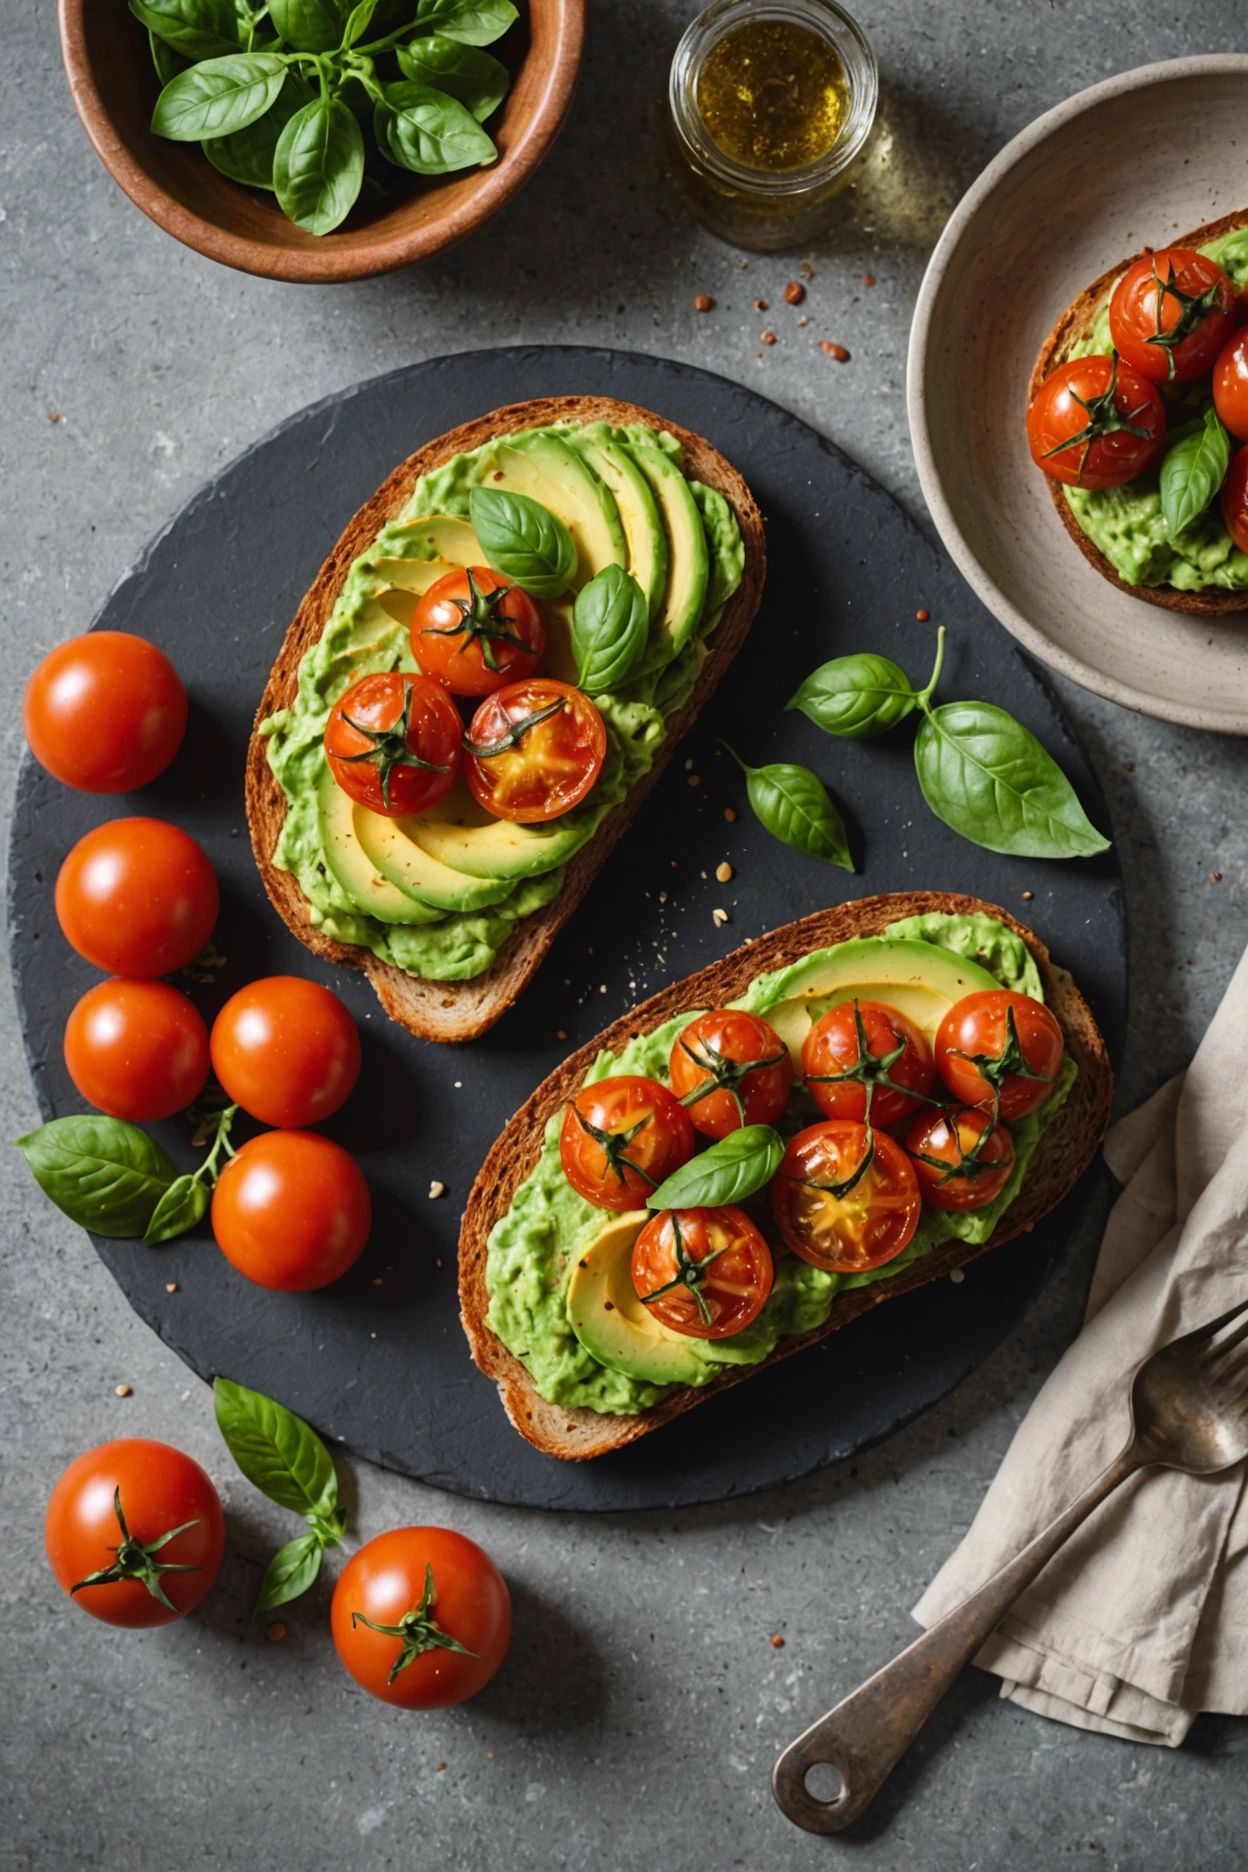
(378, 1362)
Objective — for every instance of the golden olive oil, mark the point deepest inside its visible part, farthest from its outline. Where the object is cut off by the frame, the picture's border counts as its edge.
(773, 95)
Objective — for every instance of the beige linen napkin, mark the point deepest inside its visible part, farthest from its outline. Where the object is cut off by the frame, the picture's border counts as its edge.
(1141, 1621)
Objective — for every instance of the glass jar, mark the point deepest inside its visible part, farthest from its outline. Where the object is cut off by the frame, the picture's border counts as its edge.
(768, 208)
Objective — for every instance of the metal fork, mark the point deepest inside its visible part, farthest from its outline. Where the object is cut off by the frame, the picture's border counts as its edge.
(1189, 1411)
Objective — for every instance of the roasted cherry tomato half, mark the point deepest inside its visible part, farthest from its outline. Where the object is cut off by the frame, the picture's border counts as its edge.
(108, 1531)
(960, 1156)
(995, 1044)
(534, 750)
(866, 1050)
(621, 1138)
(474, 632)
(393, 743)
(1235, 499)
(702, 1272)
(421, 1617)
(1095, 423)
(730, 1069)
(1171, 313)
(137, 1049)
(291, 1211)
(1230, 385)
(137, 897)
(105, 712)
(286, 1050)
(845, 1197)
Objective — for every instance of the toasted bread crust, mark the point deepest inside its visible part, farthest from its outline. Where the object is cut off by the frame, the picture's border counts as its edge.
(463, 1010)
(1065, 1150)
(1069, 329)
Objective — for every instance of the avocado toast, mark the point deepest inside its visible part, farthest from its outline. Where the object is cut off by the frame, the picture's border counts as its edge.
(525, 1239)
(451, 915)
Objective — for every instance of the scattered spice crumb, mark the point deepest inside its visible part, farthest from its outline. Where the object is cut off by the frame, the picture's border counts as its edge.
(808, 272)
(1028, 895)
(695, 779)
(836, 351)
(171, 1286)
(275, 1632)
(437, 1189)
(794, 292)
(760, 305)
(778, 1641)
(923, 616)
(730, 815)
(489, 1754)
(869, 280)
(1128, 766)
(603, 988)
(54, 416)
(376, 1280)
(441, 1766)
(703, 303)
(125, 1390)
(719, 918)
(957, 1276)
(1215, 877)
(769, 337)
(560, 1034)
(723, 872)
(759, 356)
(803, 320)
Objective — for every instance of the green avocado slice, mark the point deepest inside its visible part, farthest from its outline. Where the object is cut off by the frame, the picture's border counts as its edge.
(372, 893)
(688, 561)
(408, 866)
(610, 1321)
(639, 512)
(547, 470)
(460, 833)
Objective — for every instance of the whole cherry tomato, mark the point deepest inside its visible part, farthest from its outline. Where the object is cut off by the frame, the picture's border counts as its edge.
(534, 750)
(421, 1617)
(137, 897)
(995, 1042)
(1095, 423)
(393, 743)
(960, 1156)
(291, 1211)
(621, 1138)
(866, 1059)
(474, 632)
(1171, 313)
(135, 1533)
(703, 1272)
(137, 1049)
(105, 712)
(846, 1196)
(1235, 499)
(1230, 385)
(730, 1069)
(286, 1050)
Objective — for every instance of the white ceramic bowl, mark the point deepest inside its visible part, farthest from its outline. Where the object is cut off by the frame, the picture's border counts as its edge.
(1127, 164)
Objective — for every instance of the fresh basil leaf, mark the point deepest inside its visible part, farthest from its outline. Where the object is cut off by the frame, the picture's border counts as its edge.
(478, 80)
(358, 21)
(729, 1172)
(988, 777)
(1191, 474)
(428, 132)
(101, 1172)
(183, 1204)
(309, 25)
(290, 1572)
(610, 626)
(523, 541)
(218, 96)
(318, 165)
(198, 29)
(793, 804)
(168, 63)
(472, 22)
(856, 696)
(247, 155)
(276, 1450)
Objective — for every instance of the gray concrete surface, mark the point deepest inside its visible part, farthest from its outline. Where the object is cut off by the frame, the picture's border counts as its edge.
(637, 1719)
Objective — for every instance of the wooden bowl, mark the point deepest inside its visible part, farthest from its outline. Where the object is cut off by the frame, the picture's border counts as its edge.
(114, 88)
(1121, 166)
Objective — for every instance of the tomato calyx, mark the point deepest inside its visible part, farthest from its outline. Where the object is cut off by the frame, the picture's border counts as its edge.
(1194, 309)
(477, 619)
(996, 1068)
(690, 1274)
(726, 1075)
(838, 1191)
(613, 1145)
(417, 1629)
(870, 1070)
(1104, 418)
(969, 1163)
(486, 750)
(389, 747)
(135, 1559)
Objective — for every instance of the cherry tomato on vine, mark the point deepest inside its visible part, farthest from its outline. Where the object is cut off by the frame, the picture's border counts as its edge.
(105, 712)
(845, 1197)
(534, 750)
(1234, 499)
(421, 1617)
(1095, 423)
(1230, 385)
(866, 1048)
(1171, 313)
(474, 632)
(730, 1069)
(702, 1272)
(291, 1211)
(393, 743)
(961, 1158)
(998, 1042)
(286, 1050)
(137, 1049)
(621, 1138)
(135, 1533)
(137, 897)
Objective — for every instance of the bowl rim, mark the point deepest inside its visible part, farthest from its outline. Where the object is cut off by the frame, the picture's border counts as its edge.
(386, 254)
(1144, 702)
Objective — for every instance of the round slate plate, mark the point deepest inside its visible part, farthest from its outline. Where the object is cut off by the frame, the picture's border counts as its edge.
(378, 1362)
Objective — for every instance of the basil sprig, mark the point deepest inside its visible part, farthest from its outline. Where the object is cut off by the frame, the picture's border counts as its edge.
(523, 541)
(794, 806)
(287, 1461)
(477, 80)
(1192, 472)
(731, 1170)
(856, 696)
(610, 626)
(113, 1179)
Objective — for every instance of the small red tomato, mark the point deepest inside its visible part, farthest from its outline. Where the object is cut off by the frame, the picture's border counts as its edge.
(730, 1069)
(703, 1272)
(286, 1050)
(1171, 313)
(291, 1211)
(1230, 385)
(866, 1051)
(1095, 423)
(137, 1049)
(1235, 499)
(534, 750)
(421, 1617)
(137, 897)
(105, 712)
(846, 1197)
(135, 1533)
(621, 1138)
(393, 743)
(997, 1042)
(474, 632)
(961, 1157)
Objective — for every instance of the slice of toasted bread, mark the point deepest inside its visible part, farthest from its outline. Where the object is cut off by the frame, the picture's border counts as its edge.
(1066, 1148)
(1070, 328)
(462, 1010)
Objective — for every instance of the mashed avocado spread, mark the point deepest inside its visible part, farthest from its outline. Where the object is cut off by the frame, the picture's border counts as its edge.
(625, 498)
(1126, 522)
(534, 1247)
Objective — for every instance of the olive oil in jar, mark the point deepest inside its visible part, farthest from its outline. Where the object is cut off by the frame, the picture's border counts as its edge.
(773, 95)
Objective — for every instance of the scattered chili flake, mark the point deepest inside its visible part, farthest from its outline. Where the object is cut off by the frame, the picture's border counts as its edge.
(730, 815)
(560, 1034)
(441, 1767)
(836, 351)
(778, 1641)
(437, 1189)
(870, 280)
(808, 272)
(1028, 895)
(703, 303)
(724, 872)
(125, 1390)
(377, 1280)
(171, 1286)
(794, 292)
(54, 415)
(1215, 877)
(760, 305)
(1128, 766)
(769, 337)
(275, 1632)
(922, 616)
